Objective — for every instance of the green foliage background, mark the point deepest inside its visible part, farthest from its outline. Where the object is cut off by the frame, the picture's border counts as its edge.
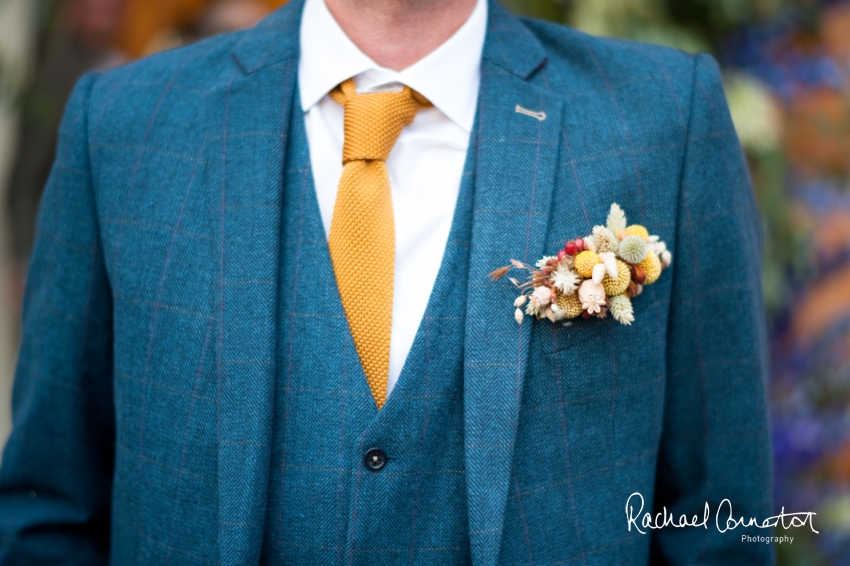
(688, 24)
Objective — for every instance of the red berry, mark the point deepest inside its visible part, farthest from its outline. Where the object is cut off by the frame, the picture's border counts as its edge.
(579, 245)
(561, 255)
(570, 248)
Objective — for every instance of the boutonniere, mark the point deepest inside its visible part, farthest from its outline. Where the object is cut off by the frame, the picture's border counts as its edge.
(591, 276)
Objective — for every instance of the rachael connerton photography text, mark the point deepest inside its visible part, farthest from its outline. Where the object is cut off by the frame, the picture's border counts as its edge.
(724, 519)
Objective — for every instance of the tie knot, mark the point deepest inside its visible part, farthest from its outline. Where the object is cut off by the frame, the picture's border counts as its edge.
(374, 121)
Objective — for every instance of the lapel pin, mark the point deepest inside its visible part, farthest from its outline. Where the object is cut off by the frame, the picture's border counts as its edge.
(539, 115)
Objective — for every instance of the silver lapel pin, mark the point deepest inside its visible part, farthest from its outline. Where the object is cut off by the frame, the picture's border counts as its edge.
(539, 115)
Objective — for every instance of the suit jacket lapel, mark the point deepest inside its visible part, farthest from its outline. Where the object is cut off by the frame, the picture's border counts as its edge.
(247, 187)
(516, 163)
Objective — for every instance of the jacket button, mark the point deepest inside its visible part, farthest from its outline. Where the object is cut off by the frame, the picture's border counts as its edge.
(375, 459)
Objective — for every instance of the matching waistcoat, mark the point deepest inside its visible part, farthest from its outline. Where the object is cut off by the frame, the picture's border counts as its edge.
(326, 506)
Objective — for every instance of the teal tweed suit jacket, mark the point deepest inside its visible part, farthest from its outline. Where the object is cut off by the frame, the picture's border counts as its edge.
(150, 316)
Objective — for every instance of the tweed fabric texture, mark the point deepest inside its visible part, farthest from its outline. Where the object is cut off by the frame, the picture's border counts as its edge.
(362, 236)
(324, 506)
(145, 394)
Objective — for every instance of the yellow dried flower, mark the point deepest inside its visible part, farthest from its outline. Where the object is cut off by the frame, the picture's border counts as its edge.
(570, 305)
(585, 261)
(619, 286)
(639, 231)
(652, 266)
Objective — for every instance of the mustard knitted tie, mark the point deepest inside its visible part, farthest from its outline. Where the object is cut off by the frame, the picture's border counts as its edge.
(362, 238)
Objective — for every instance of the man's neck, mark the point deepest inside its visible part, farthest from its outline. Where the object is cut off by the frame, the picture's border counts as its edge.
(398, 33)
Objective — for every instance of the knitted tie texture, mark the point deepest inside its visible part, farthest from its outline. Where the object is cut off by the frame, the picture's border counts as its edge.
(362, 237)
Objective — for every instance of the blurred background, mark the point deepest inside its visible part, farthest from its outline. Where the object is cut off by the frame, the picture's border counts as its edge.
(787, 72)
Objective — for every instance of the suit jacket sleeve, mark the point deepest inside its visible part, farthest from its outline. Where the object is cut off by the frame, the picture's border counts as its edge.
(715, 442)
(55, 480)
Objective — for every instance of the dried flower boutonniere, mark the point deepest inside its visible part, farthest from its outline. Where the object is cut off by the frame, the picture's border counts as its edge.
(591, 276)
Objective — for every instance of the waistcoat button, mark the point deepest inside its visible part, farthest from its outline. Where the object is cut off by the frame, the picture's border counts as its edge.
(375, 459)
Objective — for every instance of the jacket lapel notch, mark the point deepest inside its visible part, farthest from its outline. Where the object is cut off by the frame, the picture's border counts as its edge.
(273, 40)
(510, 45)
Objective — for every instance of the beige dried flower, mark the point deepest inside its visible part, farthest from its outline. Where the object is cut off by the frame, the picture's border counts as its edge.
(533, 306)
(592, 296)
(543, 295)
(616, 219)
(606, 240)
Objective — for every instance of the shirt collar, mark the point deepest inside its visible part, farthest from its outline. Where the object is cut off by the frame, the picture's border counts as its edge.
(449, 76)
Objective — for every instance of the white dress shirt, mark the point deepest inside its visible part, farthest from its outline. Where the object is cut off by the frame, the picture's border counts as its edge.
(426, 164)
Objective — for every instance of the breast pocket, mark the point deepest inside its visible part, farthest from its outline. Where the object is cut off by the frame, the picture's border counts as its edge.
(593, 357)
(578, 333)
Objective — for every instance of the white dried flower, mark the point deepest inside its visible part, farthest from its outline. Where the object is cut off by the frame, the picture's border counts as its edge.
(565, 280)
(518, 316)
(657, 246)
(592, 296)
(589, 243)
(666, 258)
(598, 273)
(542, 263)
(610, 262)
(520, 301)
